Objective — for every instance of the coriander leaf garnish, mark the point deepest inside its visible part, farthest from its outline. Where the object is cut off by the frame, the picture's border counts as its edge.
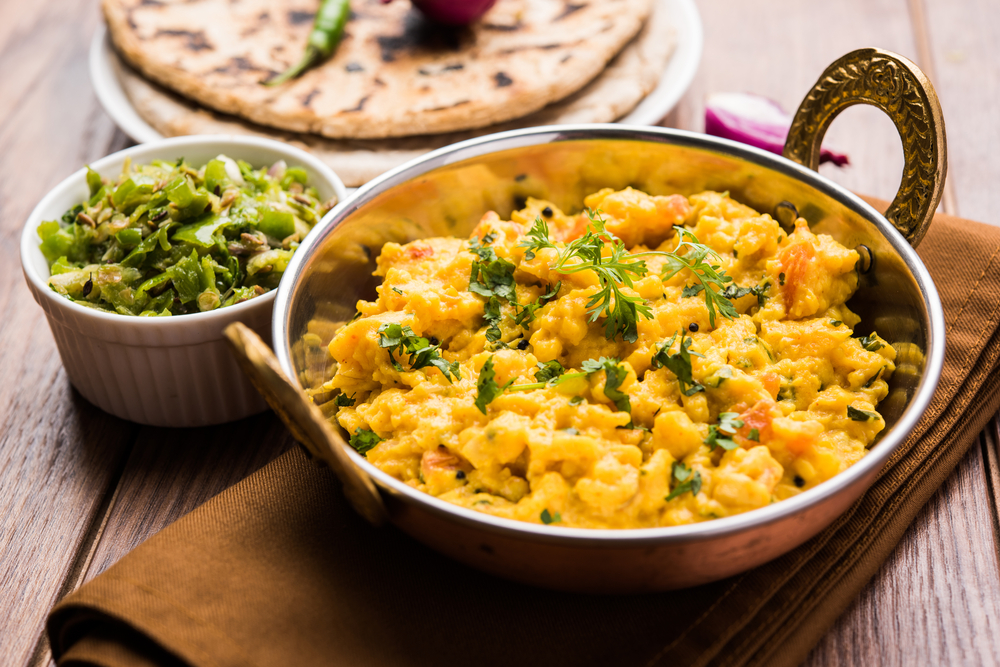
(871, 342)
(721, 434)
(576, 400)
(343, 401)
(860, 415)
(526, 313)
(493, 278)
(734, 291)
(364, 440)
(487, 388)
(548, 370)
(692, 290)
(707, 274)
(683, 480)
(491, 275)
(402, 340)
(618, 267)
(586, 253)
(614, 374)
(872, 379)
(754, 435)
(678, 363)
(548, 517)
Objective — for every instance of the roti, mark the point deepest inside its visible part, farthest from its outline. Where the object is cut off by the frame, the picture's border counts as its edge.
(394, 74)
(628, 78)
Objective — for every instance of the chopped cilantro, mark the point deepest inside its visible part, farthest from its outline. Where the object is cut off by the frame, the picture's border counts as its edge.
(860, 415)
(692, 290)
(871, 342)
(548, 518)
(617, 269)
(402, 340)
(781, 278)
(526, 313)
(576, 400)
(343, 401)
(548, 371)
(835, 323)
(364, 440)
(614, 374)
(486, 387)
(721, 434)
(398, 291)
(679, 363)
(872, 379)
(683, 481)
(754, 435)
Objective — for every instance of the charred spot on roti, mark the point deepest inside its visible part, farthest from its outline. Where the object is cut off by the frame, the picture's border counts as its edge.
(450, 106)
(353, 67)
(434, 71)
(565, 57)
(296, 17)
(571, 8)
(307, 100)
(503, 27)
(239, 64)
(502, 79)
(359, 107)
(195, 40)
(150, 3)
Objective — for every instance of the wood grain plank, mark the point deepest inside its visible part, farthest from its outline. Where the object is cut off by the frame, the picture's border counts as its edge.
(779, 50)
(936, 600)
(59, 456)
(172, 471)
(964, 38)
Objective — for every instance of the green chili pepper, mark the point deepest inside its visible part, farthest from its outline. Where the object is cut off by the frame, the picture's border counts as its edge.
(327, 31)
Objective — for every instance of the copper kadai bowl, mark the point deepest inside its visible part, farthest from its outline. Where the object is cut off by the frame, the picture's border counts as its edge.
(446, 193)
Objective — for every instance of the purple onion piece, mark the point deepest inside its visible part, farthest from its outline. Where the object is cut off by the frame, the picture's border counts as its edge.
(756, 121)
(452, 12)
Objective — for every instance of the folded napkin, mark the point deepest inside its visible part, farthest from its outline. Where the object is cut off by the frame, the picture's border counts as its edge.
(278, 570)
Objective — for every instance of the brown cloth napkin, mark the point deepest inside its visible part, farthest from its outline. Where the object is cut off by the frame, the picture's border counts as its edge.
(278, 570)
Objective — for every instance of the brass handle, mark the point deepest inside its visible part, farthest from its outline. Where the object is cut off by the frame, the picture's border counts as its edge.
(898, 87)
(304, 420)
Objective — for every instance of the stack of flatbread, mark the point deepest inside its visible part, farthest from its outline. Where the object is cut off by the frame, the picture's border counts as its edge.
(397, 85)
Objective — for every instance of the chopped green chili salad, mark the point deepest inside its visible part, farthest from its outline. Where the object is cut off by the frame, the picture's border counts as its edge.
(168, 238)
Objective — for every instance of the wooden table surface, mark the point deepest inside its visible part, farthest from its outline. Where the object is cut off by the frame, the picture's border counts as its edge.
(79, 489)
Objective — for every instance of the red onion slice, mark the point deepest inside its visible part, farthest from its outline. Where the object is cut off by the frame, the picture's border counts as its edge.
(754, 120)
(452, 12)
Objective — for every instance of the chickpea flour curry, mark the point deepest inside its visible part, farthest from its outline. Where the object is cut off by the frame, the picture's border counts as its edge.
(650, 361)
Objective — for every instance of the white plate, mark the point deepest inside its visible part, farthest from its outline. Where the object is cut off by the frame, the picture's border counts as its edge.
(675, 80)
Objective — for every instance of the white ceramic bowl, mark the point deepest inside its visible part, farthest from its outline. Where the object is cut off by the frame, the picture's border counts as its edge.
(163, 371)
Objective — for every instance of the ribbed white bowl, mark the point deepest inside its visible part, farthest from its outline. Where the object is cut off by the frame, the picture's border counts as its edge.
(163, 371)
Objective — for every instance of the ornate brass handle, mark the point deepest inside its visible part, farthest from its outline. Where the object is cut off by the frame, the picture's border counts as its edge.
(898, 87)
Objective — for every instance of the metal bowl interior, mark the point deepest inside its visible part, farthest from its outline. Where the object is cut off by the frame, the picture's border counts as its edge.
(446, 193)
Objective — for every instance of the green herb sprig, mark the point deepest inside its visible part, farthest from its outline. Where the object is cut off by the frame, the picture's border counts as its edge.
(491, 277)
(587, 254)
(721, 434)
(401, 339)
(364, 440)
(487, 388)
(679, 363)
(618, 269)
(683, 480)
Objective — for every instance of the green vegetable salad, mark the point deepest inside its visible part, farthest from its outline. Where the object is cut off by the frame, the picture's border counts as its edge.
(170, 239)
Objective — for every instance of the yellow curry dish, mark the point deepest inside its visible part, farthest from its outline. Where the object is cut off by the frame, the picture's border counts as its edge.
(649, 361)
